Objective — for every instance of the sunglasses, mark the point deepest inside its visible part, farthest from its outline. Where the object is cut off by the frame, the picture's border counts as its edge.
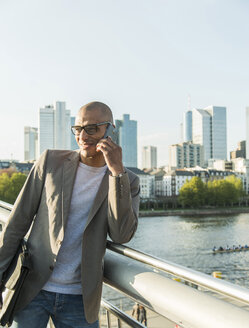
(90, 129)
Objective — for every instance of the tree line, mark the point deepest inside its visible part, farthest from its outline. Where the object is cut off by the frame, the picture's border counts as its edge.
(196, 193)
(11, 183)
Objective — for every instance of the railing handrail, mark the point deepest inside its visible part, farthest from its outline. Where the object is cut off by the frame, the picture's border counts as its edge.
(6, 206)
(186, 306)
(201, 279)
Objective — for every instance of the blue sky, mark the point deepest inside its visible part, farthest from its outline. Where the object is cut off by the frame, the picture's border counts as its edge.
(141, 57)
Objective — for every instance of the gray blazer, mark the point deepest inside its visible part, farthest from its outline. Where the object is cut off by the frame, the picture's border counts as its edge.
(44, 204)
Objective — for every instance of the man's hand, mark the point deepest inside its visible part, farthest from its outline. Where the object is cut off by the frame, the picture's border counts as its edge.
(112, 154)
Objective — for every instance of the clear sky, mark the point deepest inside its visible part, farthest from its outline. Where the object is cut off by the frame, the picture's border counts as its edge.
(142, 57)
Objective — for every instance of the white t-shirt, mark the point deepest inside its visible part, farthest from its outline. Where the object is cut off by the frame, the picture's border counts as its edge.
(66, 276)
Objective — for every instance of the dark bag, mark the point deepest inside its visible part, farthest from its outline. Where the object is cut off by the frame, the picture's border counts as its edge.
(12, 282)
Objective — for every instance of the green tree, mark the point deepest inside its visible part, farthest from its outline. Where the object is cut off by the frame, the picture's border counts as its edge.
(193, 193)
(211, 196)
(9, 171)
(227, 193)
(237, 184)
(224, 192)
(11, 186)
(4, 186)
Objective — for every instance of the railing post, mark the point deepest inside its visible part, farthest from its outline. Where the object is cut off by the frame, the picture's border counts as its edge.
(108, 319)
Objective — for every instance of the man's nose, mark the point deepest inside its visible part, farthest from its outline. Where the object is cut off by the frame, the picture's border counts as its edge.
(83, 134)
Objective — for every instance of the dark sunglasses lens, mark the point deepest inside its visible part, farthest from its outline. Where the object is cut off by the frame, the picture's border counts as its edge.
(91, 129)
(76, 130)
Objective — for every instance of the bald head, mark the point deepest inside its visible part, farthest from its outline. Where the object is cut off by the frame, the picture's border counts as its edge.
(103, 109)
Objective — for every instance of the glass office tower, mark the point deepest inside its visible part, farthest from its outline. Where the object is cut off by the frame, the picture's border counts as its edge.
(127, 139)
(209, 128)
(218, 131)
(187, 126)
(54, 127)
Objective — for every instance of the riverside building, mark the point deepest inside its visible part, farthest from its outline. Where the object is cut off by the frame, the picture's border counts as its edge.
(186, 154)
(147, 183)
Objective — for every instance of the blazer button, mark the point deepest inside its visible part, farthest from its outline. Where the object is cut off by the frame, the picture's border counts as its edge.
(51, 267)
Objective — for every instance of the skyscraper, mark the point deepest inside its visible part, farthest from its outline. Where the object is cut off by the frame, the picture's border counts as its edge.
(187, 126)
(149, 157)
(218, 131)
(209, 129)
(201, 131)
(46, 128)
(62, 123)
(127, 139)
(54, 127)
(30, 143)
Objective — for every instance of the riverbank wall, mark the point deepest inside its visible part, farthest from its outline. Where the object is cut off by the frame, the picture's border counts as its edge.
(196, 212)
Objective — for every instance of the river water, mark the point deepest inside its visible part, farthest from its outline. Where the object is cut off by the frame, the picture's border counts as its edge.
(189, 241)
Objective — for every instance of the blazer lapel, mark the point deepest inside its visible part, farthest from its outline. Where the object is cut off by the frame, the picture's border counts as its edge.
(100, 197)
(69, 172)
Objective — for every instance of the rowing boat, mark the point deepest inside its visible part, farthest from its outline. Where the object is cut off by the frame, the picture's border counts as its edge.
(243, 249)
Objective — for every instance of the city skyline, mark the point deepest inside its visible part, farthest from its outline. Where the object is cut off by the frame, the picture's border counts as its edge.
(132, 56)
(71, 140)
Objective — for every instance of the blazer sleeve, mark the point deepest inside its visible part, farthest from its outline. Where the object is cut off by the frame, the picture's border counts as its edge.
(22, 214)
(123, 207)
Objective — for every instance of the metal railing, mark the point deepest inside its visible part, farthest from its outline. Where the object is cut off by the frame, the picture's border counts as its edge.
(120, 315)
(173, 300)
(136, 275)
(219, 286)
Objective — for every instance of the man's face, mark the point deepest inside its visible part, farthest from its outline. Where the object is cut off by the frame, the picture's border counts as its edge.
(87, 143)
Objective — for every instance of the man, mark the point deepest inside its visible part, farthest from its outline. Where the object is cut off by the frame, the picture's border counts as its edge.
(142, 315)
(135, 311)
(73, 199)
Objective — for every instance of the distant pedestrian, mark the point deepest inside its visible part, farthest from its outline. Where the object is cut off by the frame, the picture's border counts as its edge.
(135, 311)
(142, 315)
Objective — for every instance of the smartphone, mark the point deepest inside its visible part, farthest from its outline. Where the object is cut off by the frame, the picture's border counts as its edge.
(110, 132)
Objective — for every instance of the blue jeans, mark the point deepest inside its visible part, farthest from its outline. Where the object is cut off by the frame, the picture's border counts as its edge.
(65, 310)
